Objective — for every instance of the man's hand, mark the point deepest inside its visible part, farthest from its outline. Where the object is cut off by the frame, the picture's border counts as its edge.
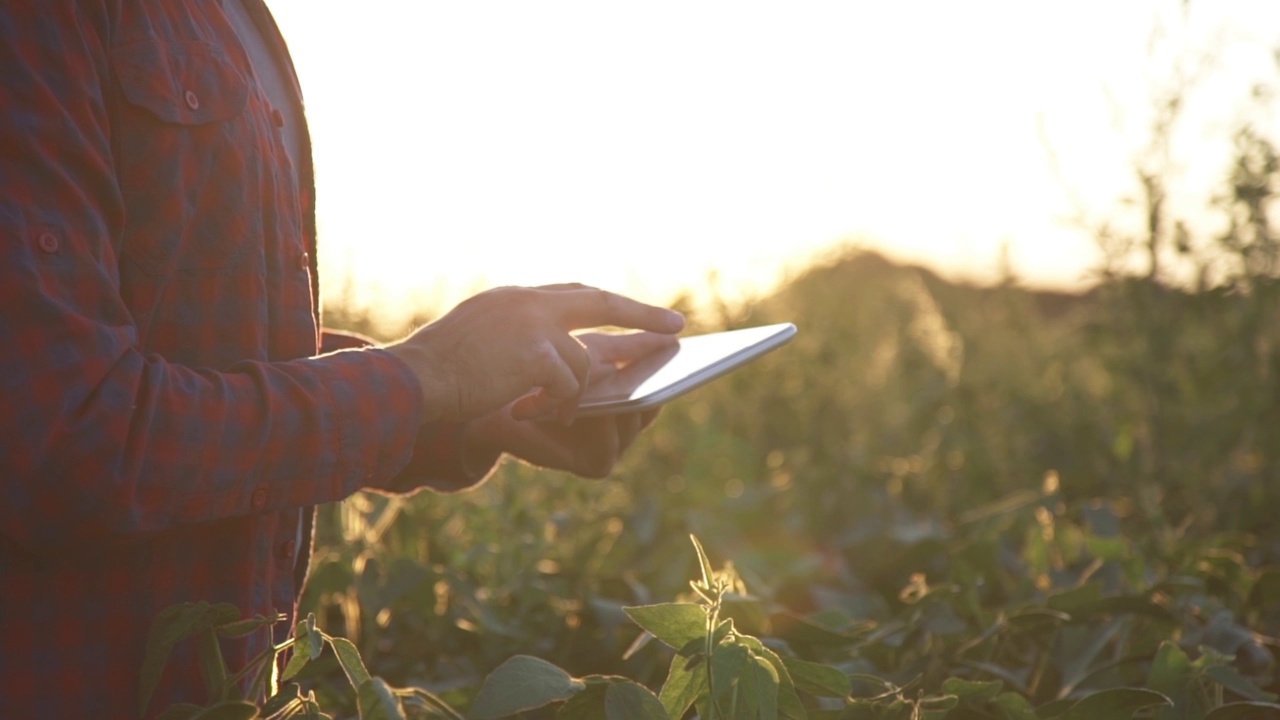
(513, 347)
(589, 447)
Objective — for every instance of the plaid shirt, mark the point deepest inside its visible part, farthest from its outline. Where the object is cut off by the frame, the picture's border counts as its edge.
(163, 411)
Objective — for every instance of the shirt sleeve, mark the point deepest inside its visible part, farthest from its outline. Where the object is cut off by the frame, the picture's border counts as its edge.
(100, 442)
(439, 461)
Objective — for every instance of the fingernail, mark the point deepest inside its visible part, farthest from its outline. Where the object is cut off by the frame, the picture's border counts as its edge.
(675, 320)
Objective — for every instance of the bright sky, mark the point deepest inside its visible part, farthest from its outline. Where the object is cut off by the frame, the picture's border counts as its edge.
(639, 146)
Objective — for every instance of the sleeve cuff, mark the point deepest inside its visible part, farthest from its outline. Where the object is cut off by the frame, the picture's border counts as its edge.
(384, 443)
(379, 416)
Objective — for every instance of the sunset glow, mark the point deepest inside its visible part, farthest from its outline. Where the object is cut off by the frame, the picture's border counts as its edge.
(641, 147)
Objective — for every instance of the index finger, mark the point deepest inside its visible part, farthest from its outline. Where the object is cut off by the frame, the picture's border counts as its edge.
(590, 307)
(615, 348)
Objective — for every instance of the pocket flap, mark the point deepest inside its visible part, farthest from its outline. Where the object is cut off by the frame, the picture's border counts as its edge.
(183, 83)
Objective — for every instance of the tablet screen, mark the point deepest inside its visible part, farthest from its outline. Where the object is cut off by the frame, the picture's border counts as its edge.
(672, 371)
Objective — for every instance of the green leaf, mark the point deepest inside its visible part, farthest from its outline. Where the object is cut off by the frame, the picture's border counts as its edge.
(686, 681)
(290, 693)
(212, 666)
(972, 690)
(760, 683)
(1088, 601)
(316, 646)
(432, 703)
(1108, 548)
(1115, 703)
(708, 574)
(307, 644)
(1056, 708)
(1014, 706)
(349, 659)
(1245, 711)
(586, 705)
(240, 628)
(376, 701)
(1079, 664)
(860, 708)
(1170, 670)
(234, 710)
(522, 683)
(1229, 678)
(789, 705)
(937, 707)
(818, 680)
(722, 631)
(311, 708)
(1073, 600)
(300, 656)
(675, 624)
(625, 700)
(727, 665)
(1014, 678)
(173, 625)
(1030, 619)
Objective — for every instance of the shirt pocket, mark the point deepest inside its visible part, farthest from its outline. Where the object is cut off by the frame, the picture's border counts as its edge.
(185, 156)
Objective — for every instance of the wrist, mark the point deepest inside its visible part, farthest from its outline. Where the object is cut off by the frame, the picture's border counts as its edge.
(429, 385)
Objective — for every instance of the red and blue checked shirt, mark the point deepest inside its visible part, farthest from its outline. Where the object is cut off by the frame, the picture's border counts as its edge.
(164, 412)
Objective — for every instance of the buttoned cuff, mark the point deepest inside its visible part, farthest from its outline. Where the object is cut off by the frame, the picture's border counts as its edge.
(378, 411)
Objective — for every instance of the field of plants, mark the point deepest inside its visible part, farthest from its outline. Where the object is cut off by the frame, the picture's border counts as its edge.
(938, 501)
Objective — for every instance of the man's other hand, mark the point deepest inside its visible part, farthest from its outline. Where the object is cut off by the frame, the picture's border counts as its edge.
(512, 348)
(588, 447)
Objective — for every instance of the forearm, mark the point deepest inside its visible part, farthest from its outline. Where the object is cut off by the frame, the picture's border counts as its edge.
(148, 445)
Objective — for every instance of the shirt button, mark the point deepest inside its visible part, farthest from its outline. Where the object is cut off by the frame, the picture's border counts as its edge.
(304, 262)
(258, 499)
(277, 118)
(288, 549)
(49, 243)
(193, 101)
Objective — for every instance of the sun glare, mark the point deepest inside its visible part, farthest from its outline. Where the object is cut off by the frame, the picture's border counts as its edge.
(645, 147)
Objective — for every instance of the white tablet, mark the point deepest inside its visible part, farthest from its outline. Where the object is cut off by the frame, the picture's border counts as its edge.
(673, 371)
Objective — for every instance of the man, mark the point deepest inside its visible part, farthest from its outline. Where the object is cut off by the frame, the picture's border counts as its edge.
(167, 419)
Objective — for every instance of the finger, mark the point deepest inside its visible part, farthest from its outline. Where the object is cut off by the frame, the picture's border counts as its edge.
(585, 308)
(558, 371)
(625, 347)
(575, 355)
(601, 371)
(562, 397)
(534, 406)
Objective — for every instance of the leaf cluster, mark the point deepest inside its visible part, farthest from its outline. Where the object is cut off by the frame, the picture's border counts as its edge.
(255, 692)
